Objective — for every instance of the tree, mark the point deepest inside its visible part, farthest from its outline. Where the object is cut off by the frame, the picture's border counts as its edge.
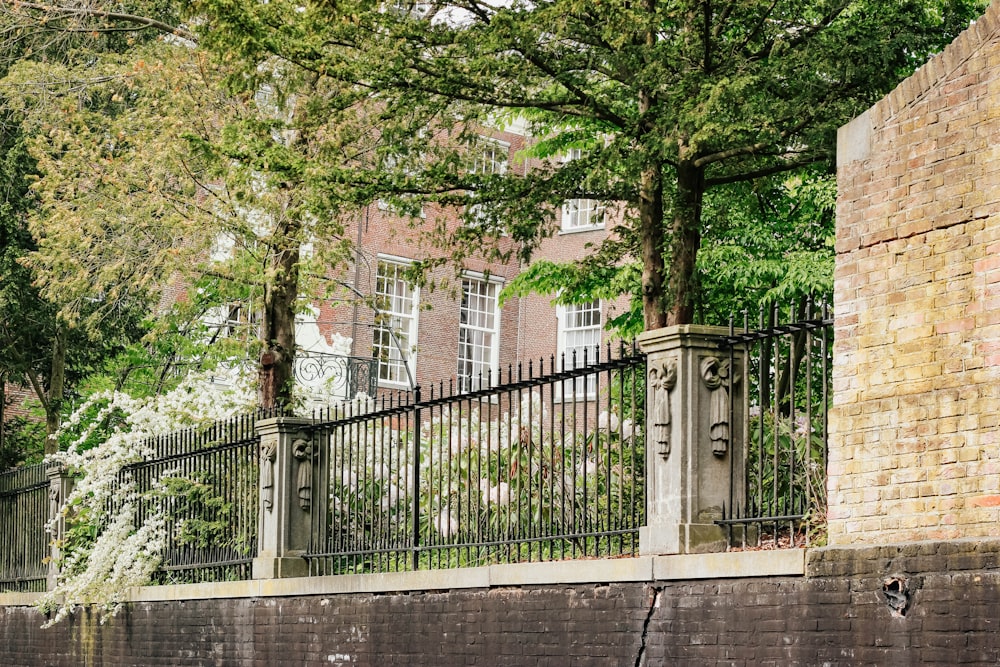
(38, 348)
(148, 160)
(667, 99)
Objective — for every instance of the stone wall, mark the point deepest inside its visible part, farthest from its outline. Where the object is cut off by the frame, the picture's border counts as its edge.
(914, 448)
(915, 604)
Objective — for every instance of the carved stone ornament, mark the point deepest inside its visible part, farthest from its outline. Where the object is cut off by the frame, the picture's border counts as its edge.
(55, 501)
(662, 379)
(268, 452)
(716, 373)
(302, 450)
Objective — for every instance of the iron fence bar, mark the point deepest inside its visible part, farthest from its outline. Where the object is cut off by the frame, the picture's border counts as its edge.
(416, 477)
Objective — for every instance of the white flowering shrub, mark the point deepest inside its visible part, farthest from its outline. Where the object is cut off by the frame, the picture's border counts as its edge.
(488, 473)
(105, 550)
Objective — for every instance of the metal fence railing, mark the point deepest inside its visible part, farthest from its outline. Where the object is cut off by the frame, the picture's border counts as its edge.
(205, 484)
(24, 511)
(325, 375)
(546, 466)
(544, 462)
(781, 498)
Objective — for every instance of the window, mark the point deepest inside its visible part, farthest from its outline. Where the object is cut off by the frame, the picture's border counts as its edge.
(235, 321)
(406, 205)
(582, 214)
(490, 160)
(491, 157)
(478, 334)
(395, 324)
(579, 345)
(408, 8)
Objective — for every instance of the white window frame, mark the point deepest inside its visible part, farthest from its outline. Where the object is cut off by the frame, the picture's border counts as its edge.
(409, 8)
(570, 328)
(392, 360)
(474, 332)
(486, 153)
(580, 215)
(390, 163)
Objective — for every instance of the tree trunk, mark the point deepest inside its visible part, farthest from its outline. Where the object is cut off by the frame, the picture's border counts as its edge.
(3, 409)
(57, 383)
(651, 238)
(278, 328)
(651, 235)
(685, 241)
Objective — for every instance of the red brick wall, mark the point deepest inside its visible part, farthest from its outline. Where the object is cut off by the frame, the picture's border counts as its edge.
(528, 327)
(914, 430)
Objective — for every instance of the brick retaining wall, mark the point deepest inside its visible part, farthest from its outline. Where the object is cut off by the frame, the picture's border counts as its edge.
(837, 614)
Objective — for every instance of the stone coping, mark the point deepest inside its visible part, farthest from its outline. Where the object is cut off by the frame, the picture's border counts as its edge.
(784, 562)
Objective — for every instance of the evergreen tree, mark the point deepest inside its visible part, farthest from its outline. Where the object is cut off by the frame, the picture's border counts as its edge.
(666, 100)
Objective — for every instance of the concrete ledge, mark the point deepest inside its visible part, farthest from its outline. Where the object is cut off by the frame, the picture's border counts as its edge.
(572, 572)
(387, 582)
(19, 599)
(222, 589)
(789, 562)
(736, 564)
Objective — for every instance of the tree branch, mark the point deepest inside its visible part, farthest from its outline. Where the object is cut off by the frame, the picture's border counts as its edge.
(766, 171)
(144, 21)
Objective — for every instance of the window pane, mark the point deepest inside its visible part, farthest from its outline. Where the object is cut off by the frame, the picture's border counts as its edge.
(396, 303)
(580, 343)
(477, 334)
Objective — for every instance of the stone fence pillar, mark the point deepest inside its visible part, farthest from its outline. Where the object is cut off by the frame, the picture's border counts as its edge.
(286, 503)
(60, 486)
(694, 438)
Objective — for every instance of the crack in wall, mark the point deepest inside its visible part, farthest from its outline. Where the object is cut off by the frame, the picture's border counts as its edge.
(653, 604)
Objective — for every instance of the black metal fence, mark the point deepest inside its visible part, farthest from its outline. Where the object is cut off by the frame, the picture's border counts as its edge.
(547, 466)
(24, 511)
(780, 498)
(204, 483)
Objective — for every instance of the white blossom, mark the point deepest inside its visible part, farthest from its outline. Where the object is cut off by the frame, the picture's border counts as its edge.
(607, 421)
(497, 494)
(445, 523)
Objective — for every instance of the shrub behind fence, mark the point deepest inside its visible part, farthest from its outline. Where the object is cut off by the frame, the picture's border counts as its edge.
(546, 466)
(205, 482)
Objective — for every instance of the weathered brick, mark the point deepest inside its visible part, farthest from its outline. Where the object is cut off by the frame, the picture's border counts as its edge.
(918, 235)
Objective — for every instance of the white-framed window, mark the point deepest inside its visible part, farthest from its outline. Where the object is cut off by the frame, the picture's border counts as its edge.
(579, 345)
(478, 334)
(578, 214)
(490, 157)
(234, 321)
(395, 337)
(408, 8)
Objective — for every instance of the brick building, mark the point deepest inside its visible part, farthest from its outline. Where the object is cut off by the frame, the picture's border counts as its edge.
(458, 332)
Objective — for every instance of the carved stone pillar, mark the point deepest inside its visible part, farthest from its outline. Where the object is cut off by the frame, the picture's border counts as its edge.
(286, 457)
(694, 449)
(60, 486)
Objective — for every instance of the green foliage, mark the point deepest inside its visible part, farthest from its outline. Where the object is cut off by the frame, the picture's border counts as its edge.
(667, 101)
(789, 475)
(493, 476)
(205, 512)
(23, 442)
